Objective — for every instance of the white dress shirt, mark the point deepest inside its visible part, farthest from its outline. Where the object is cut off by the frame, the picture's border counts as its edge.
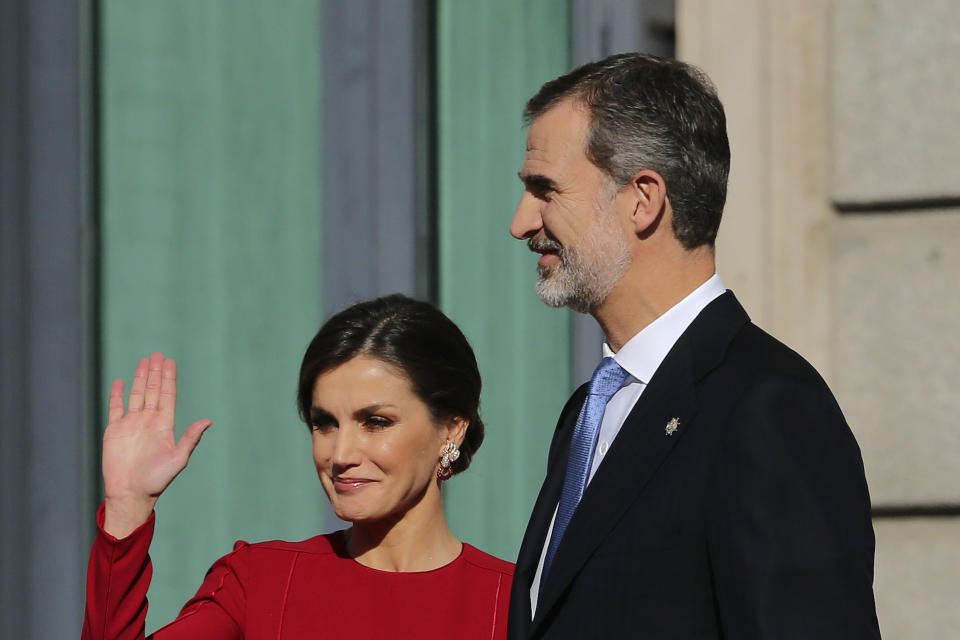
(640, 357)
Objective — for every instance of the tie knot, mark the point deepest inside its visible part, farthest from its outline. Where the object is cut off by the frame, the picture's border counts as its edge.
(607, 378)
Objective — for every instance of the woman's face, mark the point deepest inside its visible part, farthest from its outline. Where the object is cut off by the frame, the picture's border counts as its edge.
(375, 443)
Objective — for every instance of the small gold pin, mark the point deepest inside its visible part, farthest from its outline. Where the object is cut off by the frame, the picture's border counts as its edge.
(672, 426)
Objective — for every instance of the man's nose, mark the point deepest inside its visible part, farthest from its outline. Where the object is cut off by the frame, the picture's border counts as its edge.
(526, 219)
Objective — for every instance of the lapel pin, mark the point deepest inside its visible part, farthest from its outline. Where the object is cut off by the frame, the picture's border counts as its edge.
(672, 426)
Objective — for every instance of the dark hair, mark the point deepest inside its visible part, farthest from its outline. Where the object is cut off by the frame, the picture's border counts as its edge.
(653, 113)
(416, 338)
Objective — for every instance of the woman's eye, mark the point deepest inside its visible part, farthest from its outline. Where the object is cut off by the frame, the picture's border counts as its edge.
(377, 422)
(323, 427)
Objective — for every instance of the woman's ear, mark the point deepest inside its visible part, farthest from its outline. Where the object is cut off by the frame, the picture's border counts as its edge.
(457, 430)
(648, 199)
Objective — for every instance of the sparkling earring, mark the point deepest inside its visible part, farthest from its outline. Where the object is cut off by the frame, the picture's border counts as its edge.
(448, 455)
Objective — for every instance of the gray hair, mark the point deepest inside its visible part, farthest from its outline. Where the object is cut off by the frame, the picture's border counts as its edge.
(659, 114)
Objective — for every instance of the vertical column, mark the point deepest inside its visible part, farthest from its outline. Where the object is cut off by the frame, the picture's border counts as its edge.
(212, 254)
(738, 66)
(378, 150)
(767, 61)
(492, 57)
(46, 425)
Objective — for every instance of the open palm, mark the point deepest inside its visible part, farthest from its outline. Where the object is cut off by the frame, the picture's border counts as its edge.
(141, 454)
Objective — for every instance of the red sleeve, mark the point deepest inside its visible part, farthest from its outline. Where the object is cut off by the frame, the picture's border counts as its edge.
(117, 580)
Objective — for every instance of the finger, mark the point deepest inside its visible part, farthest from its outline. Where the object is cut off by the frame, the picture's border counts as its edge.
(167, 402)
(115, 408)
(135, 403)
(191, 437)
(154, 374)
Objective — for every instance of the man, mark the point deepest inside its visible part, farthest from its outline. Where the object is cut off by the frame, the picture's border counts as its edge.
(704, 484)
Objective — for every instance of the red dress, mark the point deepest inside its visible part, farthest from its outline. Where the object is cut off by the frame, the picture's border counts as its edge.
(309, 589)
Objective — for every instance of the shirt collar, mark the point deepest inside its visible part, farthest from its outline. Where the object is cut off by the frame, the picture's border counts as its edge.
(643, 353)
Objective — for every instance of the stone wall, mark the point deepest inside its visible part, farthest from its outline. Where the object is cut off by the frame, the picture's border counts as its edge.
(841, 237)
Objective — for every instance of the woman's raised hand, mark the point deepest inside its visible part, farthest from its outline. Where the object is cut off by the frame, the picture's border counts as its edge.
(141, 455)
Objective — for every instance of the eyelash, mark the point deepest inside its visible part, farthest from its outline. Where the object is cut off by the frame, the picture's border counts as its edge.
(322, 427)
(377, 422)
(372, 423)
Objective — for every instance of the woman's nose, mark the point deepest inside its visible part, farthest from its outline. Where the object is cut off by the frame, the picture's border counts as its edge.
(346, 447)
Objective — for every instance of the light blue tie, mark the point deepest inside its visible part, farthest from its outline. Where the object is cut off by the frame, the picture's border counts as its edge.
(607, 378)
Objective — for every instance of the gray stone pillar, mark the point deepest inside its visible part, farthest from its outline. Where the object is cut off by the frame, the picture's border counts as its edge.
(47, 429)
(379, 216)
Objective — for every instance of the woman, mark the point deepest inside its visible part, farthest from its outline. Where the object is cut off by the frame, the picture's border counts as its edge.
(390, 391)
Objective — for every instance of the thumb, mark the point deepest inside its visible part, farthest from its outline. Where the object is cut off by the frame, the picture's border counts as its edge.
(191, 437)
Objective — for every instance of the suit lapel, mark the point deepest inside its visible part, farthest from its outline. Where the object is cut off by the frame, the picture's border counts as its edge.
(634, 457)
(536, 532)
(641, 446)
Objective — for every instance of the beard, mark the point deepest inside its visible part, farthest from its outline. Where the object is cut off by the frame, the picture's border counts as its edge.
(588, 270)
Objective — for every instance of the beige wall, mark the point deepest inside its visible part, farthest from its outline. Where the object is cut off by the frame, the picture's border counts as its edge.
(841, 235)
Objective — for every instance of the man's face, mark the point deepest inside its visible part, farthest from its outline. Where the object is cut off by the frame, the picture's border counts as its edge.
(568, 213)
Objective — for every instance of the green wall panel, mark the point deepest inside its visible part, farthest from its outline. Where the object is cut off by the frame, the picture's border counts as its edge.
(211, 253)
(493, 55)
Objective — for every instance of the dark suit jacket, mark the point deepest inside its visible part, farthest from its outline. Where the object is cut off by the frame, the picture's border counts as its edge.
(751, 521)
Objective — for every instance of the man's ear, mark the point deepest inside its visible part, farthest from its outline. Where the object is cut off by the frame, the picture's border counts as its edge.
(457, 430)
(648, 199)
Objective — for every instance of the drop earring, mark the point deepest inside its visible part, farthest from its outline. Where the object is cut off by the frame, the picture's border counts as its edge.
(448, 455)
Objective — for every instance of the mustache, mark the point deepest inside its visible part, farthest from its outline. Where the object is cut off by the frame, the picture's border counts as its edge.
(541, 244)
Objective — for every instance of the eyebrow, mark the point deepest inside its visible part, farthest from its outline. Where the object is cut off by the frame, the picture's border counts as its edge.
(318, 413)
(537, 181)
(373, 408)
